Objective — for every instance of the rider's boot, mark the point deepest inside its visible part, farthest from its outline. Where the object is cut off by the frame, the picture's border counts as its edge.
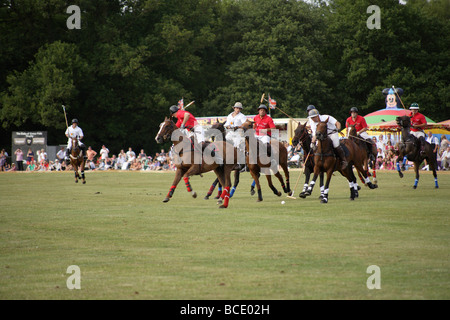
(341, 155)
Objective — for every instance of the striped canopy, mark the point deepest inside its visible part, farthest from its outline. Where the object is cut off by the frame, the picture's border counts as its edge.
(386, 115)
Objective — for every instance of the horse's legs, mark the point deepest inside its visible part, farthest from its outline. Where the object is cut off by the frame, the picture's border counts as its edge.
(313, 182)
(397, 162)
(326, 187)
(211, 189)
(361, 172)
(433, 165)
(227, 185)
(416, 170)
(236, 182)
(255, 175)
(272, 187)
(82, 175)
(178, 175)
(307, 172)
(287, 188)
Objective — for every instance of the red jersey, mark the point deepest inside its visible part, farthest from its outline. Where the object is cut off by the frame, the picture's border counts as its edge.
(265, 122)
(360, 123)
(417, 119)
(191, 122)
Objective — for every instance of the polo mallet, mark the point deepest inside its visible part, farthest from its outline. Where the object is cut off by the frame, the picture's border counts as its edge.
(64, 108)
(395, 90)
(262, 97)
(298, 179)
(189, 104)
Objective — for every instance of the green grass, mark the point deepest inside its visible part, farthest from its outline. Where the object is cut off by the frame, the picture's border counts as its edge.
(130, 245)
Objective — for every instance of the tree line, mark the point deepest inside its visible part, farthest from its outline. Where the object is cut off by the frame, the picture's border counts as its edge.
(132, 59)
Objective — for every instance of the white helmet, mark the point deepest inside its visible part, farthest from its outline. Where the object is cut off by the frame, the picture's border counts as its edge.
(238, 105)
(313, 113)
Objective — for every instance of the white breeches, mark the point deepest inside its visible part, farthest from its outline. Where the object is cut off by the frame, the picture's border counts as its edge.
(198, 132)
(235, 138)
(418, 134)
(364, 135)
(69, 143)
(335, 139)
(263, 139)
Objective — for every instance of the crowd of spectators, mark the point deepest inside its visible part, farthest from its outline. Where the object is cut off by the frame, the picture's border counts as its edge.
(95, 161)
(387, 147)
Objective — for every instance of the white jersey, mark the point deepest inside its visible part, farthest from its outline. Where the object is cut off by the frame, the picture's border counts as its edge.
(433, 140)
(331, 124)
(74, 132)
(235, 121)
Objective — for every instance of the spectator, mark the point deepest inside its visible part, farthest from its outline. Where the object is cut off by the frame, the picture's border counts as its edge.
(142, 156)
(3, 160)
(445, 159)
(434, 142)
(60, 155)
(32, 166)
(12, 168)
(104, 152)
(19, 159)
(131, 156)
(30, 156)
(444, 144)
(121, 160)
(388, 146)
(42, 157)
(380, 143)
(90, 154)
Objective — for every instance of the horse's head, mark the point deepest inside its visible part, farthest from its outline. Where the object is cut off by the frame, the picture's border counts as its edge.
(403, 121)
(351, 131)
(248, 124)
(166, 129)
(300, 134)
(218, 126)
(75, 146)
(322, 130)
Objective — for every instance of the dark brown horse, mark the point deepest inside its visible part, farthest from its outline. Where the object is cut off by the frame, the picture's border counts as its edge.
(368, 149)
(220, 127)
(190, 159)
(256, 163)
(302, 136)
(325, 160)
(77, 161)
(409, 149)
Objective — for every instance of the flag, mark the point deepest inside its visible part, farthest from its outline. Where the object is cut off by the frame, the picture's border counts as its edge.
(272, 103)
(181, 104)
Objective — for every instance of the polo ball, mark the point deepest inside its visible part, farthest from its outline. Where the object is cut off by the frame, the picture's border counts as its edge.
(283, 202)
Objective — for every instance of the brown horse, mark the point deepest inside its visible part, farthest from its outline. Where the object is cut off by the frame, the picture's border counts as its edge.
(325, 160)
(77, 161)
(368, 149)
(191, 160)
(409, 149)
(255, 162)
(302, 136)
(220, 127)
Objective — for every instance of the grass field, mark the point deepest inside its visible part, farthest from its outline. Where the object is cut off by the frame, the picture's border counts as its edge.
(130, 245)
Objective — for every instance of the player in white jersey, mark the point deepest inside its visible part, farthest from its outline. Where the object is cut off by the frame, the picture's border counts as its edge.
(74, 132)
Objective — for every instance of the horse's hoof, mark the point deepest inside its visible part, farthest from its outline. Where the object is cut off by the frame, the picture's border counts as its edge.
(400, 174)
(84, 182)
(194, 194)
(259, 200)
(222, 207)
(217, 197)
(352, 199)
(324, 200)
(252, 192)
(206, 198)
(414, 187)
(219, 201)
(359, 187)
(76, 181)
(166, 200)
(302, 195)
(356, 194)
(279, 194)
(436, 187)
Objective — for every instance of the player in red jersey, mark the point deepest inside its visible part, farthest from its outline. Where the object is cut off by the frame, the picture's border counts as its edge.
(361, 127)
(418, 122)
(263, 125)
